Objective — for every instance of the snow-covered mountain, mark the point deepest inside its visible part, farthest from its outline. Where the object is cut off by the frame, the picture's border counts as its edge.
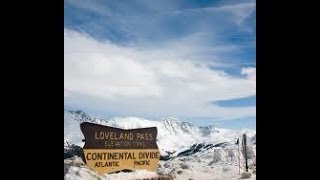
(187, 151)
(173, 134)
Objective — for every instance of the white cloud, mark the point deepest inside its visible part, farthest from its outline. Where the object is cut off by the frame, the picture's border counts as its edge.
(148, 81)
(250, 72)
(240, 11)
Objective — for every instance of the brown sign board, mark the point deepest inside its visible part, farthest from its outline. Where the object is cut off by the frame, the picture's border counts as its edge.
(108, 149)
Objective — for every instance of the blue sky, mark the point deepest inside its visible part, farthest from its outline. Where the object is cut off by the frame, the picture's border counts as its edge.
(193, 60)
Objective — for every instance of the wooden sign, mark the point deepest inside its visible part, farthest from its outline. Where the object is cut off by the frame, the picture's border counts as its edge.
(108, 149)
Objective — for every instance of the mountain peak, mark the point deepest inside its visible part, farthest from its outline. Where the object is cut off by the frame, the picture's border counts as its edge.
(80, 116)
(173, 134)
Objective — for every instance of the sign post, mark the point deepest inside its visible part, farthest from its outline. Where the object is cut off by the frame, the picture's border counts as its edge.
(245, 151)
(108, 149)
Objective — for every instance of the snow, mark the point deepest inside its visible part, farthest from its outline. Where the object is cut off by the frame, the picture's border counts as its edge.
(204, 160)
(75, 169)
(137, 174)
(72, 132)
(215, 163)
(179, 169)
(173, 134)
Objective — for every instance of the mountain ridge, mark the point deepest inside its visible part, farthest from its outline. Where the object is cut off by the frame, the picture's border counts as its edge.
(173, 134)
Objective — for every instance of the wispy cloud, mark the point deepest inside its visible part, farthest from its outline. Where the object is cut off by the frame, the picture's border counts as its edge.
(139, 22)
(250, 72)
(141, 81)
(160, 58)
